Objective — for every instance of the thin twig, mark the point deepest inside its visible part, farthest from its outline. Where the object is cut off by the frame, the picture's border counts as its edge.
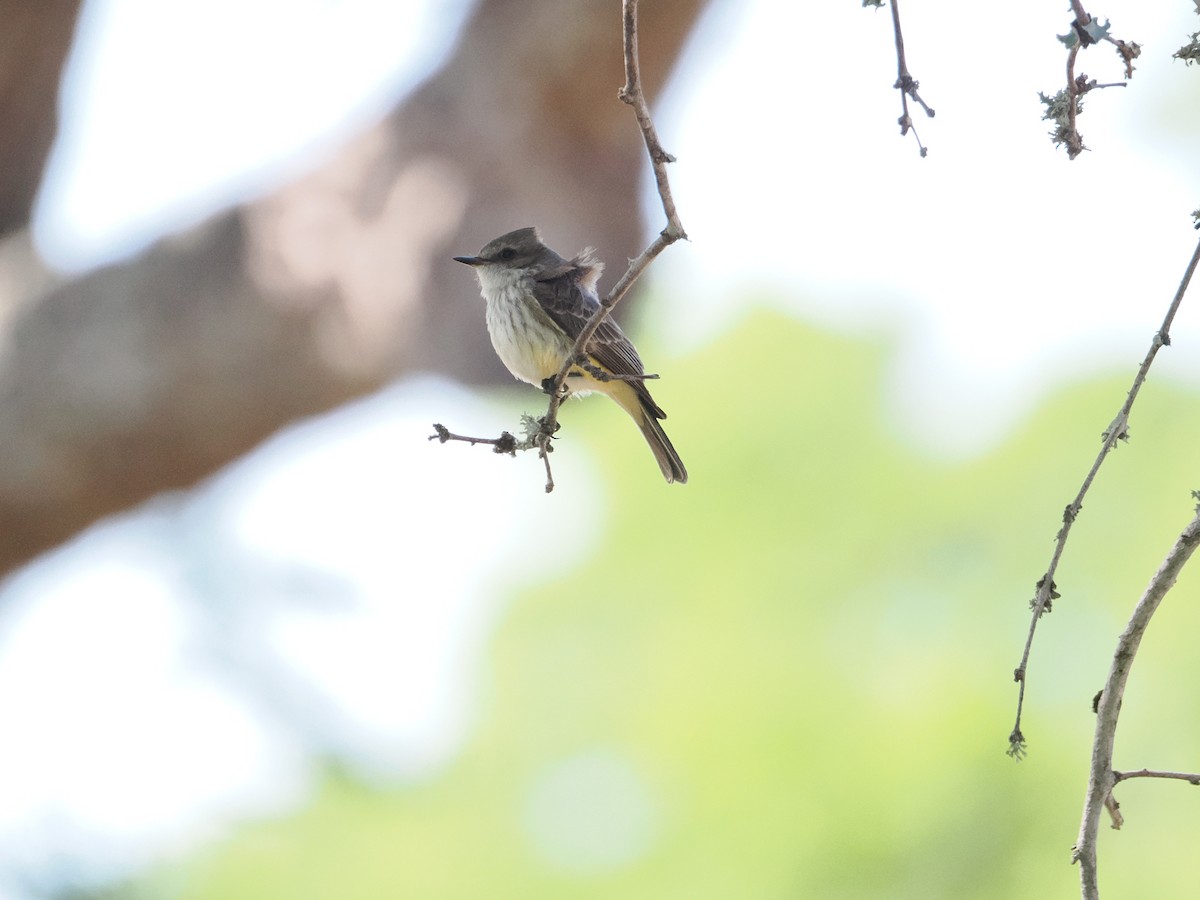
(1114, 812)
(1116, 431)
(544, 455)
(1101, 777)
(506, 443)
(1074, 140)
(1189, 777)
(632, 94)
(906, 84)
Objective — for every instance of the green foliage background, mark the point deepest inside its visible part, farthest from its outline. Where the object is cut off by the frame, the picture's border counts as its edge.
(801, 662)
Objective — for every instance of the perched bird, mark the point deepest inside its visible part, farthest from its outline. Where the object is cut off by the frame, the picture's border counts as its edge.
(537, 304)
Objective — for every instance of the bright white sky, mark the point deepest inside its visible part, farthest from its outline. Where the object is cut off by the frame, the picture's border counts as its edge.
(995, 266)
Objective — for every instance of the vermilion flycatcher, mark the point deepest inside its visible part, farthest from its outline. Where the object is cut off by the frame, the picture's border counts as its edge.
(537, 304)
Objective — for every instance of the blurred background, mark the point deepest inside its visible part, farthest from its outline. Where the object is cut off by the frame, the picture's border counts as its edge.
(259, 638)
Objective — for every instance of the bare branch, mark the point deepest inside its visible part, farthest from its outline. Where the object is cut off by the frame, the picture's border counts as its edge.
(506, 443)
(1189, 777)
(1102, 778)
(1073, 139)
(1116, 431)
(1081, 14)
(632, 94)
(544, 454)
(906, 84)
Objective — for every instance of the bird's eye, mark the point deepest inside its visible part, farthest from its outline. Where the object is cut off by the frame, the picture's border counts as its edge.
(508, 253)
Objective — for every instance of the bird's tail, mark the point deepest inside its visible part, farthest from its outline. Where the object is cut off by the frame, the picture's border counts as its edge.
(636, 400)
(664, 451)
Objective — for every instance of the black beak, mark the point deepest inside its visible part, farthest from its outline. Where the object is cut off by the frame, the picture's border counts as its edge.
(469, 260)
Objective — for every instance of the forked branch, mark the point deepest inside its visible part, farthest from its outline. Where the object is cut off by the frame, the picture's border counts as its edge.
(907, 85)
(1102, 778)
(1064, 107)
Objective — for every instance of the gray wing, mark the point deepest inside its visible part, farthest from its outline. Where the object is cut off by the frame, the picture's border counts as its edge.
(562, 297)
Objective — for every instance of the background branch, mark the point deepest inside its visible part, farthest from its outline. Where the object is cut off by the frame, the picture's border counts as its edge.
(632, 94)
(1116, 431)
(1189, 777)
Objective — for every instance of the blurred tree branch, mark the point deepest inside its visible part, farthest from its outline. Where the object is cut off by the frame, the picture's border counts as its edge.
(149, 374)
(34, 42)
